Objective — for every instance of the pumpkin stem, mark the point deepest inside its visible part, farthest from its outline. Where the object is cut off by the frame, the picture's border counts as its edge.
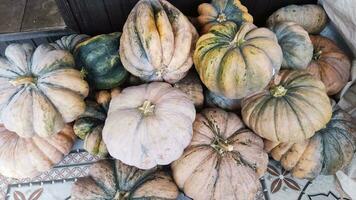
(147, 108)
(222, 146)
(221, 17)
(317, 55)
(121, 195)
(103, 98)
(24, 80)
(278, 91)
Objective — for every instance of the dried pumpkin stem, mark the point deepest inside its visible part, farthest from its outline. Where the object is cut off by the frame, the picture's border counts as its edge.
(317, 55)
(278, 91)
(221, 17)
(222, 146)
(121, 195)
(24, 80)
(147, 108)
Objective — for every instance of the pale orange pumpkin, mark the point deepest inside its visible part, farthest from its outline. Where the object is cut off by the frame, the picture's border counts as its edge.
(28, 157)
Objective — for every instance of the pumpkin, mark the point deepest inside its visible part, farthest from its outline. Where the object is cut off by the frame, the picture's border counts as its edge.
(157, 42)
(224, 160)
(219, 11)
(111, 179)
(330, 64)
(291, 109)
(348, 100)
(328, 151)
(237, 62)
(100, 61)
(149, 125)
(191, 86)
(215, 100)
(69, 42)
(296, 45)
(89, 125)
(311, 17)
(28, 157)
(39, 90)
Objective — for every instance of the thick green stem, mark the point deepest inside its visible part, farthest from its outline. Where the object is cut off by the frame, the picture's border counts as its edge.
(278, 91)
(24, 80)
(147, 108)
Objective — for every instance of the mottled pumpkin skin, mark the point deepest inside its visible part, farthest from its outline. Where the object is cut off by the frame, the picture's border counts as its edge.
(89, 126)
(311, 17)
(219, 11)
(39, 90)
(330, 64)
(111, 179)
(149, 125)
(28, 157)
(100, 61)
(69, 42)
(214, 100)
(296, 45)
(223, 161)
(157, 42)
(237, 62)
(192, 86)
(291, 109)
(328, 151)
(348, 100)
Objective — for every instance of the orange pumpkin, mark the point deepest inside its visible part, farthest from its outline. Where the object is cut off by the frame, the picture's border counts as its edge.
(330, 64)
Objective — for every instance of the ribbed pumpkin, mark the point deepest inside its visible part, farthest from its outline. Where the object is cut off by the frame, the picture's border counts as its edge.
(219, 11)
(157, 42)
(330, 64)
(69, 42)
(328, 151)
(237, 62)
(311, 17)
(39, 90)
(214, 100)
(191, 86)
(89, 125)
(296, 45)
(223, 161)
(149, 125)
(100, 61)
(291, 109)
(348, 100)
(110, 179)
(28, 157)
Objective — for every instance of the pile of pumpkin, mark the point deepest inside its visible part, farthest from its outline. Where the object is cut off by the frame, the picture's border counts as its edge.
(278, 79)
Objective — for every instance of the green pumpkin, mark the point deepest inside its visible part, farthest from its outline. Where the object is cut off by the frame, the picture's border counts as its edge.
(328, 151)
(100, 61)
(220, 11)
(89, 126)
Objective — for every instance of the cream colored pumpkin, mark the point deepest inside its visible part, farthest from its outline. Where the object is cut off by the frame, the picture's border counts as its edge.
(28, 157)
(311, 17)
(224, 160)
(149, 125)
(157, 42)
(39, 90)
